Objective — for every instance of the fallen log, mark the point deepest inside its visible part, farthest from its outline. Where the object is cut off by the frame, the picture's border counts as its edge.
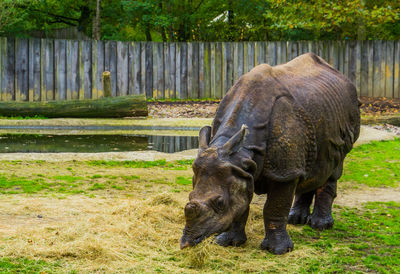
(106, 107)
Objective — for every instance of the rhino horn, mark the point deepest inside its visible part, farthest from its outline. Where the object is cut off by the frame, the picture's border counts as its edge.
(192, 210)
(232, 144)
(204, 138)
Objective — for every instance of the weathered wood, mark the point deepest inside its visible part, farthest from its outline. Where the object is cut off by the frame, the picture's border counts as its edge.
(227, 77)
(272, 58)
(170, 72)
(389, 58)
(201, 71)
(207, 70)
(352, 62)
(158, 71)
(194, 93)
(34, 70)
(377, 69)
(142, 67)
(21, 69)
(48, 73)
(396, 69)
(240, 56)
(85, 70)
(149, 69)
(9, 77)
(72, 70)
(213, 72)
(183, 73)
(111, 107)
(97, 69)
(60, 70)
(370, 68)
(2, 65)
(107, 83)
(218, 70)
(122, 68)
(111, 64)
(134, 68)
(382, 69)
(364, 68)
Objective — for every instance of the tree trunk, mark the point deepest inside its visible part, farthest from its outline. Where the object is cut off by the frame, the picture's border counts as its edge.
(109, 107)
(96, 22)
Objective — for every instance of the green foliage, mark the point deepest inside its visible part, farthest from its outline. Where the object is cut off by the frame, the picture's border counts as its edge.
(376, 164)
(208, 20)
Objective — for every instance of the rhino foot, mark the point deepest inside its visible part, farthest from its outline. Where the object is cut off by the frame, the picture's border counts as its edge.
(277, 242)
(299, 215)
(231, 238)
(321, 222)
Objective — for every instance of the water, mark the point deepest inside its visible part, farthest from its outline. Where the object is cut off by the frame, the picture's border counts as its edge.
(94, 143)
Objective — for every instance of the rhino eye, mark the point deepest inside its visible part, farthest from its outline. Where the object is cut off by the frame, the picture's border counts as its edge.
(219, 203)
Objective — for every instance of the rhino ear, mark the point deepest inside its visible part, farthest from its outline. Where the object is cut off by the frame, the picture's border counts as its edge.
(204, 138)
(233, 144)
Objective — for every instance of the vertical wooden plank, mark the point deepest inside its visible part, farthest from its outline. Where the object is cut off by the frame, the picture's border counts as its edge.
(241, 61)
(156, 61)
(178, 70)
(143, 67)
(60, 70)
(2, 66)
(364, 68)
(34, 69)
(261, 54)
(190, 75)
(396, 69)
(21, 69)
(97, 68)
(358, 67)
(133, 59)
(170, 72)
(160, 69)
(183, 92)
(377, 69)
(149, 70)
(250, 56)
(370, 68)
(135, 66)
(202, 90)
(346, 64)
(389, 67)
(196, 70)
(213, 72)
(218, 70)
(87, 68)
(47, 70)
(235, 64)
(227, 77)
(282, 52)
(383, 69)
(352, 61)
(9, 79)
(207, 70)
(122, 68)
(111, 64)
(272, 58)
(335, 55)
(72, 70)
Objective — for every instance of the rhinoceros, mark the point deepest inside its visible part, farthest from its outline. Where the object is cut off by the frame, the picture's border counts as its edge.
(283, 131)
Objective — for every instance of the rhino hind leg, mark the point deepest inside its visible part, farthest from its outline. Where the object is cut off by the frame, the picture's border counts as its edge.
(321, 218)
(276, 210)
(236, 235)
(300, 212)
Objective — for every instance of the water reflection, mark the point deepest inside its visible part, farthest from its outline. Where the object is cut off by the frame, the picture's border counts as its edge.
(94, 143)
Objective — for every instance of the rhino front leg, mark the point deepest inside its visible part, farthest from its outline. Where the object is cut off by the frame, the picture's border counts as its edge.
(236, 235)
(300, 211)
(321, 218)
(276, 210)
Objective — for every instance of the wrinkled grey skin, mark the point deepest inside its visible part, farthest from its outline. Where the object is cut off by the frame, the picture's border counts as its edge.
(283, 131)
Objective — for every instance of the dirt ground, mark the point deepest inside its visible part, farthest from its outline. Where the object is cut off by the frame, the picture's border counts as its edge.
(206, 109)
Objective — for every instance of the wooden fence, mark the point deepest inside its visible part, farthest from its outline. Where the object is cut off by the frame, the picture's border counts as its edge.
(46, 69)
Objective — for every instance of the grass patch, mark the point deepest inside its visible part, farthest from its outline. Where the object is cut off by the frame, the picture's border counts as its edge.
(22, 265)
(175, 165)
(366, 239)
(376, 164)
(183, 181)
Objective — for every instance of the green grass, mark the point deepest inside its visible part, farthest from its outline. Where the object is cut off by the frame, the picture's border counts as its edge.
(366, 239)
(175, 165)
(376, 164)
(183, 181)
(22, 265)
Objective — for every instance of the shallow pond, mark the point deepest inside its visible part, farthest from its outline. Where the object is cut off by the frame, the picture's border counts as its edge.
(87, 143)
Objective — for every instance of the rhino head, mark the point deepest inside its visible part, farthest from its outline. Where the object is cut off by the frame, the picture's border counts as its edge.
(222, 187)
